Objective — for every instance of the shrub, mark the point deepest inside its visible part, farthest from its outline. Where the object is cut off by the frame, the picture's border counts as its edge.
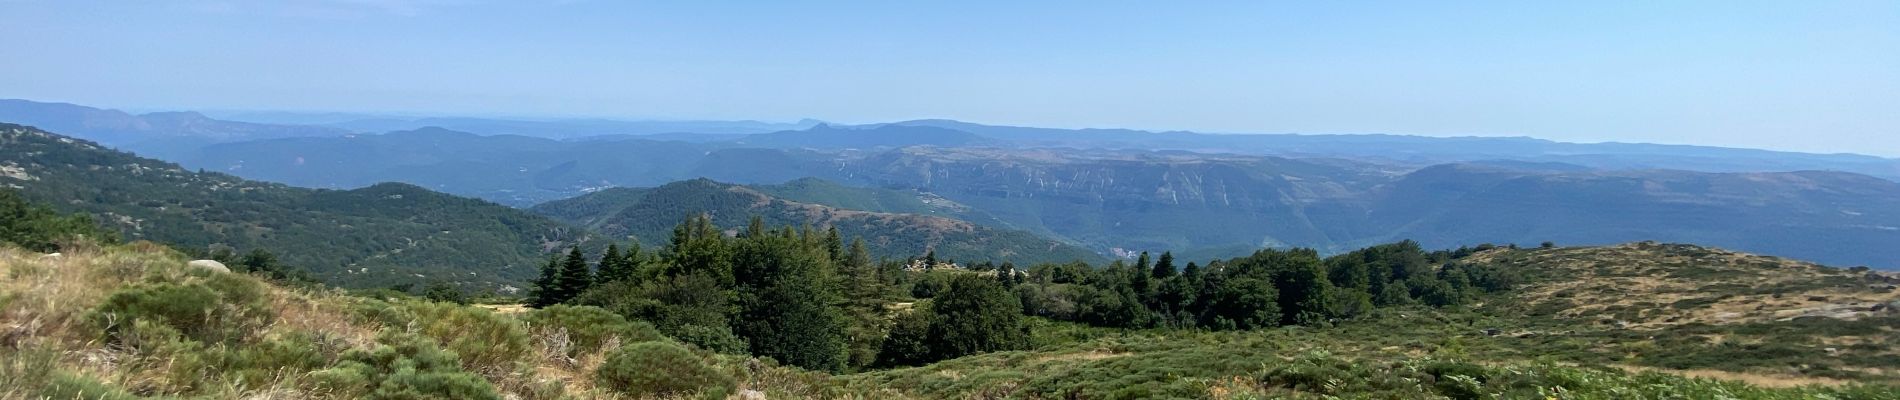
(717, 339)
(487, 342)
(663, 370)
(403, 367)
(588, 327)
(222, 308)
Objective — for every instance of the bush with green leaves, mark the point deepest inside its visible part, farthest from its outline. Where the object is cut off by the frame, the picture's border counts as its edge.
(216, 309)
(587, 328)
(403, 367)
(38, 228)
(661, 369)
(487, 342)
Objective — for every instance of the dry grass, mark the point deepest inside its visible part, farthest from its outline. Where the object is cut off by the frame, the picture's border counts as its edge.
(1653, 286)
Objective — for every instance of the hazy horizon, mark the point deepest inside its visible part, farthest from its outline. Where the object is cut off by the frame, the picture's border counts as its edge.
(1808, 77)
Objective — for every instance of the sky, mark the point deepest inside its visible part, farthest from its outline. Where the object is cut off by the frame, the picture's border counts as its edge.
(1819, 76)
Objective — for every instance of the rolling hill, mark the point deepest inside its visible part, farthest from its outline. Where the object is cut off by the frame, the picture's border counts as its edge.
(374, 236)
(649, 215)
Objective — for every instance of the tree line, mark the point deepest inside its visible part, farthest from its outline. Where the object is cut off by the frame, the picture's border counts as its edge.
(810, 298)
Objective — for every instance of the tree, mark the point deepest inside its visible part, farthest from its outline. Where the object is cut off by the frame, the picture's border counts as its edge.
(1164, 267)
(444, 292)
(574, 277)
(545, 288)
(1349, 272)
(975, 315)
(614, 266)
(698, 247)
(864, 293)
(39, 228)
(786, 302)
(1243, 303)
(909, 341)
(834, 243)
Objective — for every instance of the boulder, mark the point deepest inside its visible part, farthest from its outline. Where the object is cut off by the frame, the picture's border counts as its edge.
(213, 265)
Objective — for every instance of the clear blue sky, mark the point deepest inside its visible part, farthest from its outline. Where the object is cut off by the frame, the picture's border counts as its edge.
(1798, 75)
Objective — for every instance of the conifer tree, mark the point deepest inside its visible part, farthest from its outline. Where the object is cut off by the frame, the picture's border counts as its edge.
(834, 243)
(1164, 267)
(699, 248)
(543, 294)
(613, 266)
(574, 277)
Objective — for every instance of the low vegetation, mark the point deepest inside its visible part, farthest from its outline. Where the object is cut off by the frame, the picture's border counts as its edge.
(790, 313)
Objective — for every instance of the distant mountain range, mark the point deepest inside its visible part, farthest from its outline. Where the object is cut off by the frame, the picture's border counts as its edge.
(649, 215)
(1202, 195)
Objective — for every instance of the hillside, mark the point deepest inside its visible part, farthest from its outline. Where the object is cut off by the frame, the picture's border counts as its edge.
(650, 215)
(234, 336)
(374, 236)
(1638, 314)
(1828, 217)
(1201, 206)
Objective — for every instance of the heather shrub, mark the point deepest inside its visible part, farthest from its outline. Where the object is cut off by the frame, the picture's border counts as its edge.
(662, 369)
(216, 310)
(487, 343)
(403, 367)
(588, 328)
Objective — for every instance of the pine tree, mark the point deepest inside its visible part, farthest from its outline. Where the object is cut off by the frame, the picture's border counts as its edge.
(834, 243)
(1141, 283)
(1164, 267)
(864, 292)
(574, 277)
(545, 288)
(698, 247)
(613, 266)
(930, 259)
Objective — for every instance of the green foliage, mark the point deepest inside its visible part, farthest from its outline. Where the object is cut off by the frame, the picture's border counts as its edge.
(975, 315)
(909, 341)
(1268, 288)
(487, 343)
(39, 228)
(661, 369)
(588, 328)
(786, 300)
(444, 292)
(404, 367)
(563, 281)
(220, 308)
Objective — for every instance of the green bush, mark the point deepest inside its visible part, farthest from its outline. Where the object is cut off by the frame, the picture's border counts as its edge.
(403, 367)
(588, 327)
(488, 343)
(64, 385)
(220, 309)
(717, 339)
(662, 369)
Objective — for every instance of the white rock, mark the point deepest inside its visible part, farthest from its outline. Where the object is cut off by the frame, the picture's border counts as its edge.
(213, 265)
